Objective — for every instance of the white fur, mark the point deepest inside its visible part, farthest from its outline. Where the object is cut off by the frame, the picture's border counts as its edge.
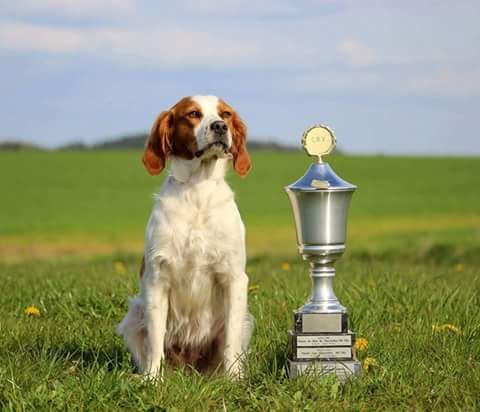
(194, 283)
(210, 113)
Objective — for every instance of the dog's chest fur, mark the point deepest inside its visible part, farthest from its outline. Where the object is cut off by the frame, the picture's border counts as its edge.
(190, 231)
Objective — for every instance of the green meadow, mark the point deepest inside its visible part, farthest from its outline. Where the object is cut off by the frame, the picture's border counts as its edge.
(68, 203)
(71, 229)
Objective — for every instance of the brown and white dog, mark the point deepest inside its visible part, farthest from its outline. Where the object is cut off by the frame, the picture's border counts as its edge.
(192, 305)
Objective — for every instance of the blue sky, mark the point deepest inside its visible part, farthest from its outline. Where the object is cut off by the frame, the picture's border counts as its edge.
(388, 76)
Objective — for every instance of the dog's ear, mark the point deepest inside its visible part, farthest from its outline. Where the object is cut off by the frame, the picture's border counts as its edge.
(158, 145)
(241, 158)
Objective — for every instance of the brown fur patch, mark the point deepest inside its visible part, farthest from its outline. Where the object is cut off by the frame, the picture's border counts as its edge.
(241, 158)
(205, 359)
(172, 134)
(158, 144)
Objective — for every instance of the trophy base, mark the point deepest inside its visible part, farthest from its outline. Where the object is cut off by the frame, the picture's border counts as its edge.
(343, 369)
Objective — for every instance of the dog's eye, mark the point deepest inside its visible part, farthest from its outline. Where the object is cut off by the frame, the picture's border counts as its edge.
(226, 114)
(194, 114)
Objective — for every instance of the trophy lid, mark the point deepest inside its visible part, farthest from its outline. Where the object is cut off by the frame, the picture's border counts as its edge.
(319, 141)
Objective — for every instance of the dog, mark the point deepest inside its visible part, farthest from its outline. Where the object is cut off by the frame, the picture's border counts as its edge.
(191, 310)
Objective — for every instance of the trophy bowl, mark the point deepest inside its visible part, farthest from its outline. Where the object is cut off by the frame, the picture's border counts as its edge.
(320, 213)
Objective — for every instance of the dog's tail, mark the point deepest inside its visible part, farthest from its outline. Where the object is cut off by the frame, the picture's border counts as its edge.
(247, 326)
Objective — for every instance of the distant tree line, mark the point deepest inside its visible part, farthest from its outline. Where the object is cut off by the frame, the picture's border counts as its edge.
(133, 141)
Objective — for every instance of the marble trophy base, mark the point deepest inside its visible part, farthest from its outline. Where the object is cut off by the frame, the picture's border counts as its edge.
(343, 369)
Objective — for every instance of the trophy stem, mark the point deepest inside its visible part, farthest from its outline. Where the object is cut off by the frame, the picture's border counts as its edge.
(323, 298)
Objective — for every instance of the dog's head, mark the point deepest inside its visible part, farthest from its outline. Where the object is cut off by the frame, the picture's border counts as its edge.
(202, 127)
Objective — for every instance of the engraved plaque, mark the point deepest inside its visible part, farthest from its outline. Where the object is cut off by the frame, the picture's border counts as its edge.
(321, 322)
(323, 353)
(324, 340)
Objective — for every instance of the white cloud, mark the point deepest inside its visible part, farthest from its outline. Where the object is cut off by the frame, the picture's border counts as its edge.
(441, 83)
(231, 7)
(331, 80)
(446, 82)
(390, 49)
(356, 53)
(81, 8)
(166, 46)
(26, 37)
(169, 44)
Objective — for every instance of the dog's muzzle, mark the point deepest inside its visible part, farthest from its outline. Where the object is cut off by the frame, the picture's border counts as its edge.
(218, 130)
(217, 145)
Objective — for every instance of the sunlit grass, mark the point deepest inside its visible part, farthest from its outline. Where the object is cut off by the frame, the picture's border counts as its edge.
(421, 322)
(71, 228)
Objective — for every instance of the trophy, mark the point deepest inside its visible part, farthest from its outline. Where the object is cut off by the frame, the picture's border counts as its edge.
(320, 341)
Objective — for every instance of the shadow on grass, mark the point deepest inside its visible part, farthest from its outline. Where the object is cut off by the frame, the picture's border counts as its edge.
(109, 358)
(271, 361)
(434, 253)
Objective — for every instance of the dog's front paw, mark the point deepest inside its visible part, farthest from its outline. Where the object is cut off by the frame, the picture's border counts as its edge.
(234, 365)
(154, 374)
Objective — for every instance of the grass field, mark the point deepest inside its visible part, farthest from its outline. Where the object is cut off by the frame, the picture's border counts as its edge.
(71, 227)
(65, 203)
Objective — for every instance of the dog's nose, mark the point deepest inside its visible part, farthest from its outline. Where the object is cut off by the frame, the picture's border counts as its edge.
(219, 127)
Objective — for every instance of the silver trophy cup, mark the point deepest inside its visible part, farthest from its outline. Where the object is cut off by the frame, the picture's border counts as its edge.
(321, 341)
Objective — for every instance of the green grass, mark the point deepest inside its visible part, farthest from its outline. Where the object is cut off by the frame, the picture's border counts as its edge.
(412, 261)
(70, 358)
(102, 200)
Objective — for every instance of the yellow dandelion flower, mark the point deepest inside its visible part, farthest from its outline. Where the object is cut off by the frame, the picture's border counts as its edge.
(253, 288)
(120, 267)
(447, 327)
(361, 344)
(396, 328)
(369, 363)
(32, 310)
(285, 266)
(453, 328)
(459, 267)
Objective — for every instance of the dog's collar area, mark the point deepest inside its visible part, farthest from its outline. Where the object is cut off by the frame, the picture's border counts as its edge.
(197, 169)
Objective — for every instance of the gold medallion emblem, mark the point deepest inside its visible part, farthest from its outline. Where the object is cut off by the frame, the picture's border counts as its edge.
(318, 141)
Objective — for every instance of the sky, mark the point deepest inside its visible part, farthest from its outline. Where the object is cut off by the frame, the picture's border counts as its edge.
(388, 76)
